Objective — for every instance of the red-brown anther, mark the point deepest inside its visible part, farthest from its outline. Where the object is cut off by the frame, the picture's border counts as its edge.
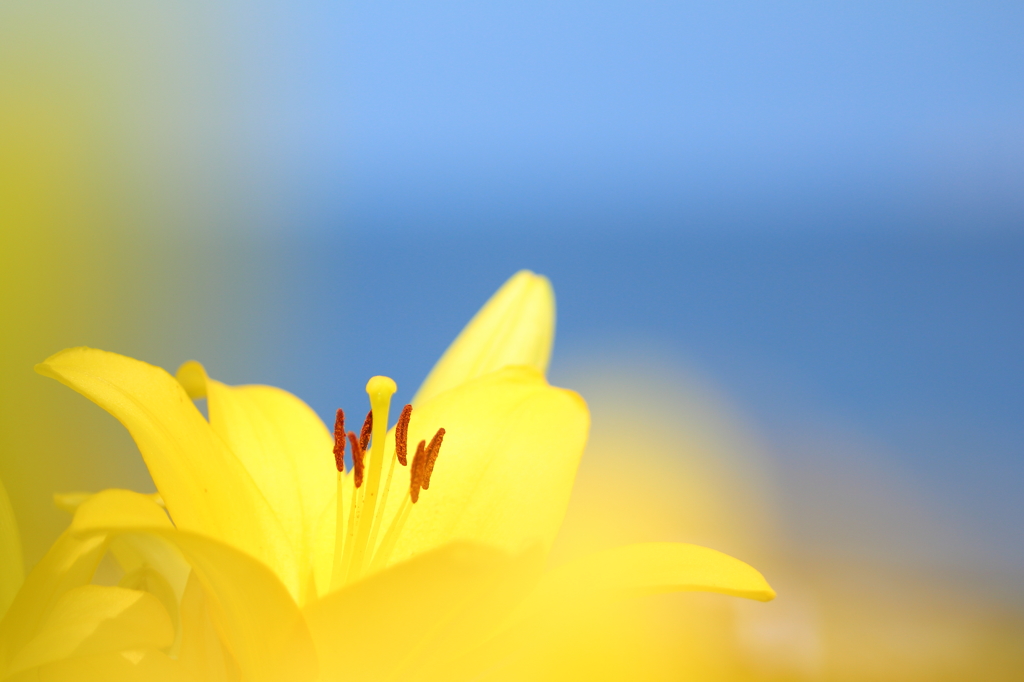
(402, 435)
(416, 471)
(364, 435)
(432, 451)
(357, 458)
(339, 441)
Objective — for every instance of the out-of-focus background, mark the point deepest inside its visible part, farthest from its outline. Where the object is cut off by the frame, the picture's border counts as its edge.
(787, 242)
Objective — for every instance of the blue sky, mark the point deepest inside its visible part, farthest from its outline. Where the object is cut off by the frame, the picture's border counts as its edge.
(817, 207)
(438, 114)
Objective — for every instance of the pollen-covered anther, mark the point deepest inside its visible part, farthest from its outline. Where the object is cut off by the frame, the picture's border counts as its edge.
(416, 471)
(364, 434)
(357, 458)
(402, 436)
(339, 441)
(431, 457)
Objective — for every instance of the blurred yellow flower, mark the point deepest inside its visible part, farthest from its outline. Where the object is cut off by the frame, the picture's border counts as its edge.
(697, 473)
(281, 566)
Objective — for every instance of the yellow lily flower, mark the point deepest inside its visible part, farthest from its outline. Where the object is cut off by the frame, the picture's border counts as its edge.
(262, 559)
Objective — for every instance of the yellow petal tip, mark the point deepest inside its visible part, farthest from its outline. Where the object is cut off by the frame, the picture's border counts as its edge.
(46, 366)
(70, 502)
(192, 377)
(515, 327)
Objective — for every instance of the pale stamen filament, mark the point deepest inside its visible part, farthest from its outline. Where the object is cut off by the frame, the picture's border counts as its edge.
(401, 433)
(416, 470)
(391, 536)
(357, 505)
(378, 518)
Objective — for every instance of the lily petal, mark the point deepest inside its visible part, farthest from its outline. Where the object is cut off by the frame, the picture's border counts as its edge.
(69, 563)
(323, 544)
(153, 582)
(566, 597)
(12, 570)
(115, 508)
(506, 467)
(137, 556)
(283, 445)
(407, 620)
(255, 614)
(649, 568)
(135, 665)
(206, 488)
(515, 327)
(202, 653)
(92, 619)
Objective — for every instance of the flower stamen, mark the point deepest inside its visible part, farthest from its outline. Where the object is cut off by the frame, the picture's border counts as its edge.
(356, 534)
(419, 478)
(365, 432)
(431, 457)
(357, 458)
(402, 435)
(416, 472)
(339, 441)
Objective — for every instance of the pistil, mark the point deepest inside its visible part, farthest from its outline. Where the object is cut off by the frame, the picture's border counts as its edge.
(380, 389)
